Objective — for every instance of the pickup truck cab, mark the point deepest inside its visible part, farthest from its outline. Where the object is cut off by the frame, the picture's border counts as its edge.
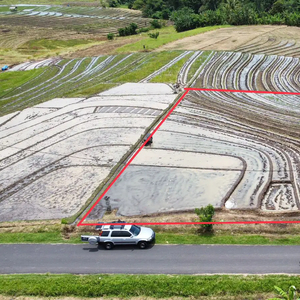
(119, 234)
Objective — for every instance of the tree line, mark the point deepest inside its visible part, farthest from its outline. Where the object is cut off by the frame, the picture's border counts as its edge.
(190, 14)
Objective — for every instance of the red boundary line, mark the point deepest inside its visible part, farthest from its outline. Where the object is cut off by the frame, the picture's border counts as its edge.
(154, 131)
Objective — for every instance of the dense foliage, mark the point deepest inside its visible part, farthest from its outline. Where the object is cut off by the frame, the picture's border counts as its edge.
(190, 14)
(128, 30)
(206, 214)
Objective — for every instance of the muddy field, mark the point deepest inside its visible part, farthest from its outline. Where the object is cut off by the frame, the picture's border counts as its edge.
(232, 150)
(54, 155)
(265, 39)
(190, 151)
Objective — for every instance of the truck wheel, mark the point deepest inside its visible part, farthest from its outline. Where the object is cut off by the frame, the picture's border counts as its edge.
(142, 245)
(108, 246)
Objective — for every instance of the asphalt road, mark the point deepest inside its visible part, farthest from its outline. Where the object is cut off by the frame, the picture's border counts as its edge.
(160, 259)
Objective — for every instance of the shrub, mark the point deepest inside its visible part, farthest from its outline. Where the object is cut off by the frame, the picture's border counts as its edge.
(103, 3)
(154, 35)
(205, 214)
(64, 221)
(133, 27)
(129, 30)
(155, 24)
(110, 36)
(143, 29)
(121, 31)
(113, 3)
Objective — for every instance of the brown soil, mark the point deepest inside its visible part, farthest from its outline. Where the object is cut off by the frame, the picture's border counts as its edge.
(233, 37)
(108, 47)
(13, 37)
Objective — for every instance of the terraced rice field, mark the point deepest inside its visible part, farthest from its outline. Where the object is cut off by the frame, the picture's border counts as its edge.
(238, 150)
(259, 39)
(92, 19)
(54, 155)
(234, 150)
(64, 77)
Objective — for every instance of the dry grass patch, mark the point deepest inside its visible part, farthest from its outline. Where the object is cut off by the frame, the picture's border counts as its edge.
(221, 215)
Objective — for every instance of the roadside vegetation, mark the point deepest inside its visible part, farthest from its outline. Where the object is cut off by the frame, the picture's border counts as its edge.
(54, 231)
(156, 286)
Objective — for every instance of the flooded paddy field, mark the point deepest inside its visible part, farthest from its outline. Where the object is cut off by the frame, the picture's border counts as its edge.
(192, 161)
(53, 156)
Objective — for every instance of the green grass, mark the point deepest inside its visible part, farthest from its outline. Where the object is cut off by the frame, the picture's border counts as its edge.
(157, 286)
(95, 89)
(6, 8)
(39, 237)
(55, 236)
(166, 35)
(150, 64)
(123, 6)
(171, 74)
(11, 80)
(49, 44)
(237, 239)
(195, 66)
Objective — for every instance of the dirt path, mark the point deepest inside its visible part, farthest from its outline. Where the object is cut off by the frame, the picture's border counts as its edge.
(225, 38)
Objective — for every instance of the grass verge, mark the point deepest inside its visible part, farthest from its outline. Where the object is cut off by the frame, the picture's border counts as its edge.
(67, 235)
(166, 35)
(156, 286)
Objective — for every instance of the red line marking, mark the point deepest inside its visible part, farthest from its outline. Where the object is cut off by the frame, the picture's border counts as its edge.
(241, 91)
(132, 158)
(188, 223)
(154, 131)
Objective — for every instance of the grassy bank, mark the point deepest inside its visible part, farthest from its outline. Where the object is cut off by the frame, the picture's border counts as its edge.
(146, 285)
(64, 236)
(166, 35)
(10, 81)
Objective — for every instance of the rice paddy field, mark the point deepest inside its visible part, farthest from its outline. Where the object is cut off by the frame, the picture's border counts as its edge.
(233, 150)
(68, 123)
(96, 19)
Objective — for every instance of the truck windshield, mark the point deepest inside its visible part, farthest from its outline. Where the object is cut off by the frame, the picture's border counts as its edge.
(135, 230)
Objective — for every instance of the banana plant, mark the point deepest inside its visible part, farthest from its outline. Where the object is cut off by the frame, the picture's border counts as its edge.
(291, 294)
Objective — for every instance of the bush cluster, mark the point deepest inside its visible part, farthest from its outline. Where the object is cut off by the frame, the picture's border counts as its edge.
(154, 35)
(129, 30)
(206, 214)
(110, 36)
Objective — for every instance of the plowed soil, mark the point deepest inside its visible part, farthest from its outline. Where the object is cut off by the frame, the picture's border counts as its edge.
(233, 37)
